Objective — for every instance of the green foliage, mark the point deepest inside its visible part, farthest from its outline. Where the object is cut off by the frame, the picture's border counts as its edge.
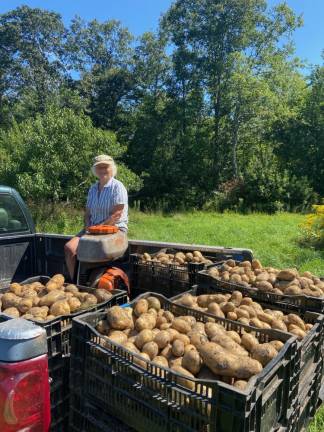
(49, 157)
(210, 111)
(313, 227)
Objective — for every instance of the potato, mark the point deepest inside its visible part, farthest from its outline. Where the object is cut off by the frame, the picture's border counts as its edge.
(223, 362)
(246, 301)
(293, 290)
(60, 307)
(52, 297)
(204, 300)
(90, 299)
(227, 307)
(74, 289)
(232, 316)
(212, 329)
(119, 319)
(141, 360)
(278, 324)
(197, 339)
(277, 344)
(39, 311)
(103, 327)
(117, 336)
(173, 334)
(175, 361)
(264, 286)
(151, 348)
(12, 311)
(192, 361)
(287, 274)
(214, 309)
(74, 304)
(242, 313)
(255, 264)
(309, 327)
(184, 338)
(154, 303)
(141, 307)
(52, 285)
(245, 321)
(16, 288)
(234, 335)
(169, 316)
(189, 347)
(178, 348)
(255, 322)
(10, 300)
(295, 319)
(265, 317)
(191, 320)
(143, 337)
(180, 325)
(249, 341)
(102, 295)
(25, 304)
(183, 381)
(187, 300)
(236, 298)
(297, 331)
(145, 321)
(129, 346)
(161, 361)
(59, 278)
(240, 384)
(162, 339)
(264, 353)
(248, 308)
(199, 327)
(229, 344)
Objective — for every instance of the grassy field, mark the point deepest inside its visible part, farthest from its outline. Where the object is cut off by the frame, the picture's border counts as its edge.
(274, 239)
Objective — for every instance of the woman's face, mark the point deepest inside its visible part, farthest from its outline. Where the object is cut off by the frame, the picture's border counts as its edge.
(104, 171)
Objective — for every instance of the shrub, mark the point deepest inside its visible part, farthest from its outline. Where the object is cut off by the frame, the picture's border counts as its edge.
(313, 227)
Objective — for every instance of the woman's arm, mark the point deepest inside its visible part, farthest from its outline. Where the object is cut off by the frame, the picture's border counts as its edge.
(114, 217)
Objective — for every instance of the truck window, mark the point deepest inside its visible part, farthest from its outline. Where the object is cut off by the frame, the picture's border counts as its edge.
(12, 219)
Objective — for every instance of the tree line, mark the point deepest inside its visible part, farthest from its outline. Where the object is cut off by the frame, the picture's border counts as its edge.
(210, 111)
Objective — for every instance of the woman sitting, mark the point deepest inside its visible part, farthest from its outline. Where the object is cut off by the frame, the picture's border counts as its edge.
(107, 204)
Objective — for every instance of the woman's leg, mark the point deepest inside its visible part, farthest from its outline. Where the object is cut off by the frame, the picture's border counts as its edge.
(70, 250)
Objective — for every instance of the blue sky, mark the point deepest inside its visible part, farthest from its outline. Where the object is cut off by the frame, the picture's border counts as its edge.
(143, 15)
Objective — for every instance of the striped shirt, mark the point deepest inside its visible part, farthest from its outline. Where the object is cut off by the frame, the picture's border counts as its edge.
(100, 204)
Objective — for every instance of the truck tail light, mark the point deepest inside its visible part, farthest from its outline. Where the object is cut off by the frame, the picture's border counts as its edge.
(25, 396)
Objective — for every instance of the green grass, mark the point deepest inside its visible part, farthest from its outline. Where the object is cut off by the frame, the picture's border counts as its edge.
(317, 425)
(274, 239)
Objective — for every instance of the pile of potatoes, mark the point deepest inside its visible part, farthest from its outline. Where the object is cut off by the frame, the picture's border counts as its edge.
(246, 311)
(269, 279)
(179, 258)
(189, 347)
(40, 302)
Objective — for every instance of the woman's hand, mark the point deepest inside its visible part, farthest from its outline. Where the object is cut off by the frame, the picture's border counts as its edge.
(115, 216)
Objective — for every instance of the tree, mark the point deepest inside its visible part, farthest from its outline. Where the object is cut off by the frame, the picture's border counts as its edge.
(49, 157)
(208, 35)
(31, 56)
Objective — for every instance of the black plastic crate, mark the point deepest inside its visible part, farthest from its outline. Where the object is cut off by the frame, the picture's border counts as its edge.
(168, 280)
(153, 399)
(87, 417)
(58, 330)
(310, 347)
(306, 404)
(58, 333)
(307, 303)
